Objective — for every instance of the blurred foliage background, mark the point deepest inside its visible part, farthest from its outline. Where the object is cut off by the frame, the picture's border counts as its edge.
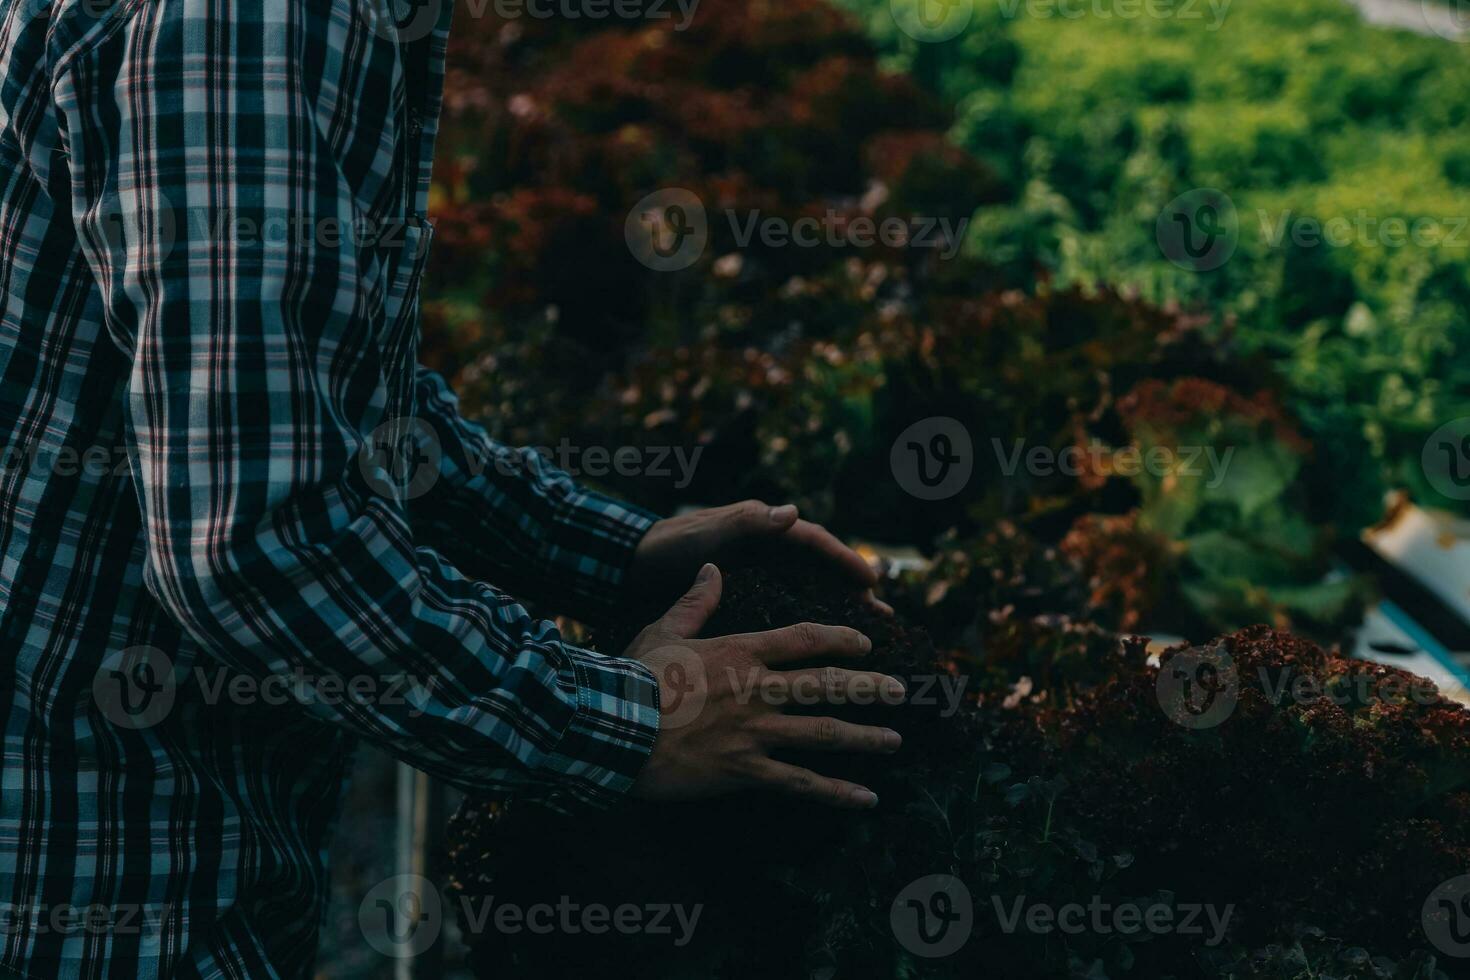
(1060, 140)
(1300, 113)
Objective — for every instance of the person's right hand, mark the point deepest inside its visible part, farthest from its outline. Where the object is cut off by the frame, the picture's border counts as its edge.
(721, 714)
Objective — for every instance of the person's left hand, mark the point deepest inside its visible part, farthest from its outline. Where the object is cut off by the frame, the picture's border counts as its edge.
(675, 548)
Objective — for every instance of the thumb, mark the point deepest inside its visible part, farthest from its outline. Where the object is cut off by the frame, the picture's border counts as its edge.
(687, 617)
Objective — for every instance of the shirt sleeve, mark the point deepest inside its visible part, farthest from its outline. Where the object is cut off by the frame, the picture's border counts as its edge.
(508, 515)
(262, 363)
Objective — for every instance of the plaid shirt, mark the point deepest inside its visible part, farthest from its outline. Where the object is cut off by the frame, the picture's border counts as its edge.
(216, 570)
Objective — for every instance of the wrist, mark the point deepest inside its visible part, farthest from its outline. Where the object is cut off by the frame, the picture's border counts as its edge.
(608, 563)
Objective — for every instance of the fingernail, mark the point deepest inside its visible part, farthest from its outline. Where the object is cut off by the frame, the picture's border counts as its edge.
(892, 741)
(894, 688)
(705, 574)
(865, 643)
(864, 798)
(782, 514)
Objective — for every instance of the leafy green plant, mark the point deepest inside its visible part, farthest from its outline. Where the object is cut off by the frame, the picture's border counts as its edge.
(1244, 539)
(1341, 146)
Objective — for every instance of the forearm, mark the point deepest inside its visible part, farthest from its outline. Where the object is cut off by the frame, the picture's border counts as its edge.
(464, 683)
(507, 515)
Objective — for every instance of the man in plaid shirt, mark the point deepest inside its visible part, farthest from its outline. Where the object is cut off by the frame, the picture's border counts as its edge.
(211, 223)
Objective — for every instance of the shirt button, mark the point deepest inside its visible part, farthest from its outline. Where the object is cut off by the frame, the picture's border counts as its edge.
(45, 549)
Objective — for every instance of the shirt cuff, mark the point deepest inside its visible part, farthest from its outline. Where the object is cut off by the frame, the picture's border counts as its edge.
(611, 734)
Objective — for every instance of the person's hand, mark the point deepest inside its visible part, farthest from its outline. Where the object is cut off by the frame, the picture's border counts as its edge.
(721, 705)
(675, 547)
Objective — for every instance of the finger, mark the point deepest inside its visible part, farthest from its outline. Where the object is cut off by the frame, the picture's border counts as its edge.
(808, 785)
(803, 641)
(687, 616)
(833, 685)
(828, 735)
(757, 518)
(877, 604)
(820, 541)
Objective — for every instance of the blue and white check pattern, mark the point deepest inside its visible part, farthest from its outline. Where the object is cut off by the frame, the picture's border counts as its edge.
(196, 365)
